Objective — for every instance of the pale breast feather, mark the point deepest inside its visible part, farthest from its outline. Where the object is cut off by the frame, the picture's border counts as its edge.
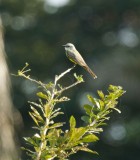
(71, 56)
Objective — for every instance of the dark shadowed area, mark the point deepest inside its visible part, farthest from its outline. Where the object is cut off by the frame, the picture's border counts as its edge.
(107, 34)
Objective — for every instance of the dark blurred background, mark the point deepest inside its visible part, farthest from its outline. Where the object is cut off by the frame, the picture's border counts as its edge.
(107, 34)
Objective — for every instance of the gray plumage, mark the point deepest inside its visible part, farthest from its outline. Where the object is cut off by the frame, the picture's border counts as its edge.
(76, 58)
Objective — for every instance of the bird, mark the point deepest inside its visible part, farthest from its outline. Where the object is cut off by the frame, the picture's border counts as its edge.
(74, 56)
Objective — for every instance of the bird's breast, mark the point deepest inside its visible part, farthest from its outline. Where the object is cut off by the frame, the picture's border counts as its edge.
(71, 56)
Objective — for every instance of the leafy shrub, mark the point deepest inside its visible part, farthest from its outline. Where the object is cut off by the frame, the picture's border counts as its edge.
(50, 141)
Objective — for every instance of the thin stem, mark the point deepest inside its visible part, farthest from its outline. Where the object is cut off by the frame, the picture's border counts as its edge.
(66, 88)
(33, 80)
(62, 74)
(44, 131)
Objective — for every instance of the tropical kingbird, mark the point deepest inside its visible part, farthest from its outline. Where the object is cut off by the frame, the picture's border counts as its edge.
(76, 58)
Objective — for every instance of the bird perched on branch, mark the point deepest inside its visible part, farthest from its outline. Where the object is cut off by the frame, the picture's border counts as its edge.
(76, 58)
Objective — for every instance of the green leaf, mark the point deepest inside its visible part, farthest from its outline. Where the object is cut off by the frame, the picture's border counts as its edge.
(39, 105)
(42, 95)
(48, 110)
(30, 141)
(63, 99)
(53, 136)
(88, 150)
(28, 150)
(88, 108)
(96, 101)
(86, 119)
(56, 125)
(47, 157)
(102, 105)
(79, 77)
(101, 94)
(35, 120)
(56, 114)
(114, 88)
(37, 136)
(117, 110)
(72, 122)
(90, 138)
(49, 85)
(37, 114)
(91, 99)
(77, 133)
(56, 110)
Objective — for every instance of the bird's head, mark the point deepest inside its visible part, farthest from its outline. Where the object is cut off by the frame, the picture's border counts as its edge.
(69, 46)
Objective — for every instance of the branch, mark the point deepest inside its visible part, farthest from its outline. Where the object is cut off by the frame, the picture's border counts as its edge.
(66, 88)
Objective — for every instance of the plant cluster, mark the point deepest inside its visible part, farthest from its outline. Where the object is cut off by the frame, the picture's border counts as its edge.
(50, 141)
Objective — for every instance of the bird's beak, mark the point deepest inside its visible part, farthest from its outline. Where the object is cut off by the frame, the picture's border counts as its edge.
(64, 45)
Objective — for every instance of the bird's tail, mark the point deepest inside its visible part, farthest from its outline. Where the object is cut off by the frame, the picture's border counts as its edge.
(90, 71)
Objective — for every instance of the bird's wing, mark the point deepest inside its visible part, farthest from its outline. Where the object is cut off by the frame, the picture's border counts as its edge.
(76, 58)
(79, 59)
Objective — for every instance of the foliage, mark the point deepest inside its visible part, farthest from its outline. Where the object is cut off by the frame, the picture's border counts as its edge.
(50, 141)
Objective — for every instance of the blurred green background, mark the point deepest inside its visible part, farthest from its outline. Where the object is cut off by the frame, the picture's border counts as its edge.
(107, 34)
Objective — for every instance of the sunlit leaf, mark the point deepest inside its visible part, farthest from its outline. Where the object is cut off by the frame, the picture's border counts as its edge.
(56, 114)
(88, 150)
(117, 110)
(101, 94)
(53, 136)
(30, 141)
(101, 104)
(96, 101)
(72, 122)
(91, 99)
(79, 77)
(42, 95)
(37, 114)
(48, 110)
(23, 148)
(37, 136)
(35, 120)
(49, 85)
(90, 138)
(88, 108)
(56, 125)
(77, 134)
